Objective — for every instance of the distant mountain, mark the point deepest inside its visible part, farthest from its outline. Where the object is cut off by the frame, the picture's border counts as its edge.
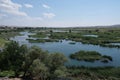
(109, 26)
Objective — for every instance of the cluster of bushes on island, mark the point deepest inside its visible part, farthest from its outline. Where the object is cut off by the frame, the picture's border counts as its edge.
(90, 56)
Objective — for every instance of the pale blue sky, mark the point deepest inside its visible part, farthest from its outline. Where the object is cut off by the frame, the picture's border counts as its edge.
(62, 13)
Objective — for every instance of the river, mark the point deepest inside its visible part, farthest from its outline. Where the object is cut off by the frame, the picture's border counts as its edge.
(67, 49)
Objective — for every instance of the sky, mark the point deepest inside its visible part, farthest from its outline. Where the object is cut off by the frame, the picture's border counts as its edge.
(59, 13)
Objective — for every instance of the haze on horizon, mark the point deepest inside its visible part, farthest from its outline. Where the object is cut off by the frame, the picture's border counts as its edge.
(59, 13)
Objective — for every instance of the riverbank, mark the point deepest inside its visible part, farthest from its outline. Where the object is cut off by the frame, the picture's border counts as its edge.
(2, 42)
(5, 36)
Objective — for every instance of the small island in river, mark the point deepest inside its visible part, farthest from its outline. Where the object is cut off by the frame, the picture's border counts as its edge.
(90, 56)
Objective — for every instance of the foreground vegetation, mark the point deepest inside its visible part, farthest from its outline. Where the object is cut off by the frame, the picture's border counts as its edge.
(33, 63)
(90, 56)
(94, 73)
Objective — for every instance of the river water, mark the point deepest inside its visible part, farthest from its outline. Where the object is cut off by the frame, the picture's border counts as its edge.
(67, 49)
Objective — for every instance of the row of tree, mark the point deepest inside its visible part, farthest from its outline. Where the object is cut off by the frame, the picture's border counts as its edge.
(32, 62)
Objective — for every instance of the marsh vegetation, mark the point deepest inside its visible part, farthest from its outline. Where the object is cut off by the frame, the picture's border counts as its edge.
(96, 36)
(94, 49)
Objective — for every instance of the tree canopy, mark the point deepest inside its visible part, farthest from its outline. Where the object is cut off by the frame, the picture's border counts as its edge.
(32, 62)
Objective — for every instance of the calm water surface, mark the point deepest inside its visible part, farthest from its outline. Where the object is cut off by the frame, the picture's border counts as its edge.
(66, 48)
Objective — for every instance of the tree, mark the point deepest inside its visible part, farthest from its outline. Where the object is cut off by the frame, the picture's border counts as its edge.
(70, 30)
(33, 54)
(32, 62)
(38, 70)
(61, 72)
(56, 61)
(51, 31)
(12, 57)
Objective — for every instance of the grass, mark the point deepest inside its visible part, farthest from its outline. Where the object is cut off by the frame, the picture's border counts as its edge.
(39, 35)
(7, 74)
(2, 42)
(5, 36)
(94, 73)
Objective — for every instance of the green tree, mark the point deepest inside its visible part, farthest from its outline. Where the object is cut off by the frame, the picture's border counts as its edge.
(56, 61)
(70, 30)
(12, 57)
(61, 72)
(33, 54)
(38, 70)
(32, 62)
